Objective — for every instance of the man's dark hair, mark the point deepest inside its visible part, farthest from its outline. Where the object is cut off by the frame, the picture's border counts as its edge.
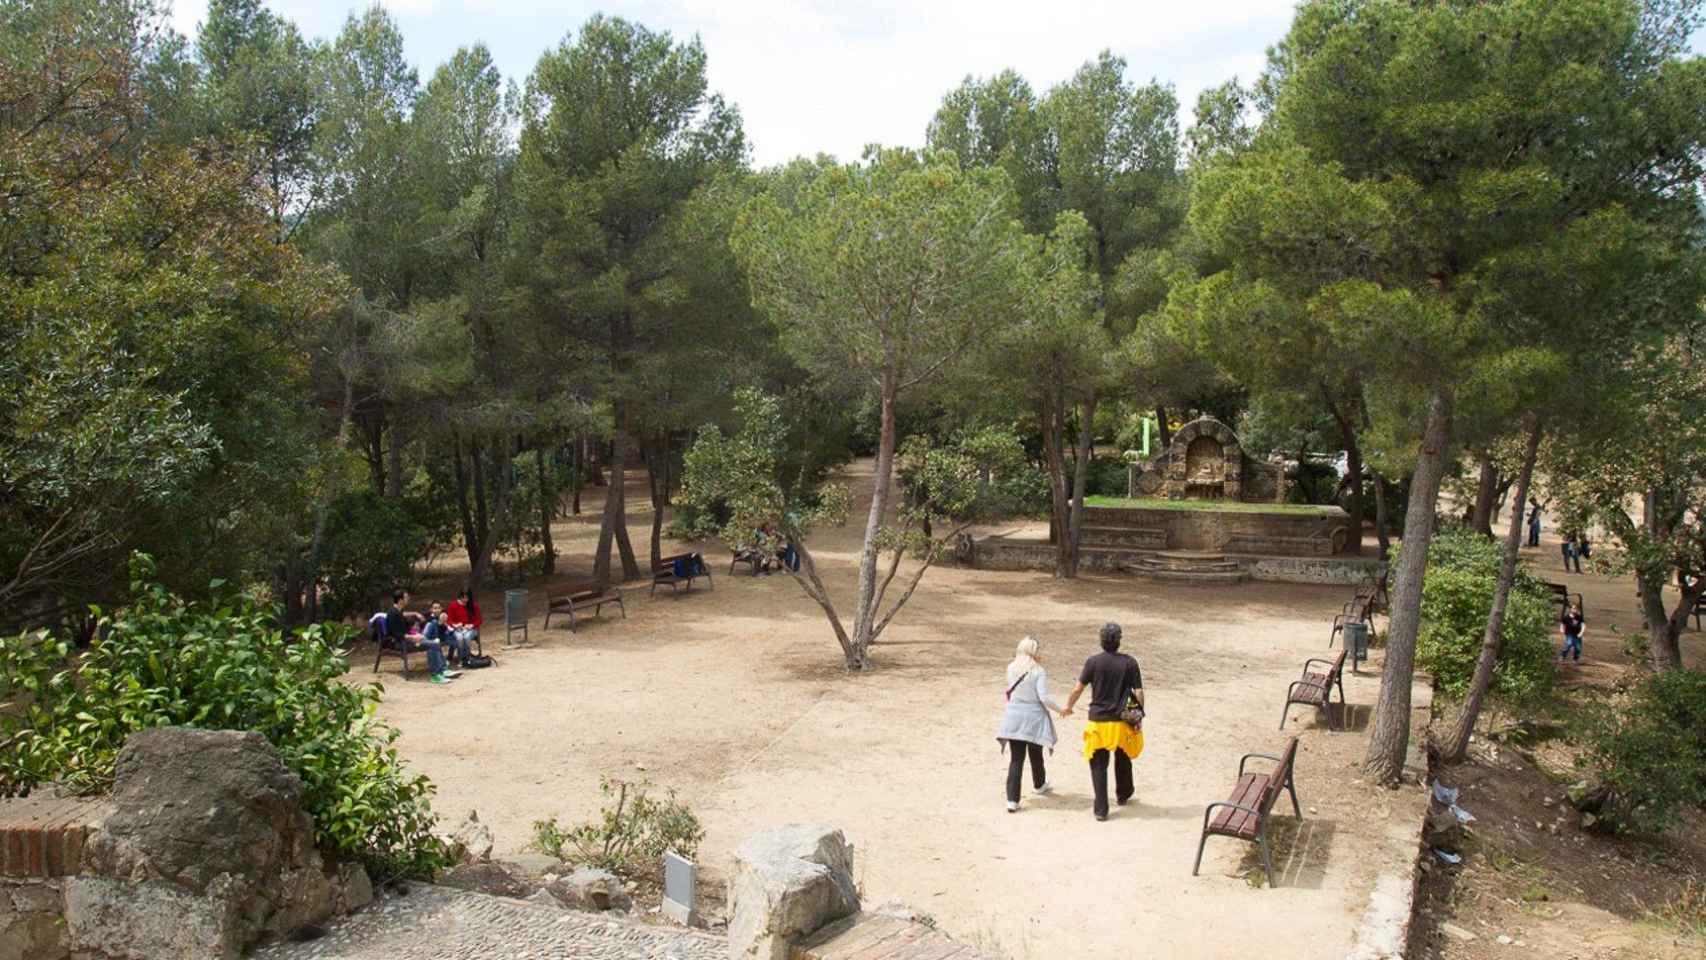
(1110, 637)
(398, 594)
(467, 595)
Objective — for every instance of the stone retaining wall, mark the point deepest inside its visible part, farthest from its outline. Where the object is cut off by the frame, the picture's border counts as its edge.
(1008, 553)
(41, 847)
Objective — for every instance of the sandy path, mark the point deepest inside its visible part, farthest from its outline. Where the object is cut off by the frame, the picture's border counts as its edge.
(736, 699)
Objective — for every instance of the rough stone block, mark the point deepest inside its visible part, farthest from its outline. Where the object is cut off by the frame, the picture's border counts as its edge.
(788, 883)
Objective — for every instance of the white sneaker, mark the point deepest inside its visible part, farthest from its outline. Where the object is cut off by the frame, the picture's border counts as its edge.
(453, 674)
(1046, 789)
(1012, 807)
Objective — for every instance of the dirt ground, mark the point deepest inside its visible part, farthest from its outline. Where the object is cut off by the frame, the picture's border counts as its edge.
(1530, 874)
(736, 699)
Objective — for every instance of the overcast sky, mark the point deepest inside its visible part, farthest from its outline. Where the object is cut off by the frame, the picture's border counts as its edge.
(819, 75)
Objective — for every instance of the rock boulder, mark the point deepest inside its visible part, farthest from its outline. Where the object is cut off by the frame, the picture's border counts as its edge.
(788, 883)
(207, 850)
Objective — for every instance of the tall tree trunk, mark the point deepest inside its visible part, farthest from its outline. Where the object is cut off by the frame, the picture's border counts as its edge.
(470, 535)
(373, 451)
(1486, 494)
(394, 463)
(865, 609)
(482, 515)
(655, 484)
(334, 487)
(580, 470)
(1164, 433)
(614, 526)
(502, 460)
(1080, 481)
(1456, 744)
(547, 508)
(1382, 523)
(1054, 427)
(1390, 737)
(1353, 469)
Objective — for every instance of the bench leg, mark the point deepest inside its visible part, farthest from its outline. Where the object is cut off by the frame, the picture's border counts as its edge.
(547, 625)
(1262, 845)
(622, 606)
(1202, 841)
(1285, 711)
(1291, 788)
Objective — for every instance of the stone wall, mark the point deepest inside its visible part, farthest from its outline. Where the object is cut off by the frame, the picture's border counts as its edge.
(1319, 532)
(41, 849)
(1007, 553)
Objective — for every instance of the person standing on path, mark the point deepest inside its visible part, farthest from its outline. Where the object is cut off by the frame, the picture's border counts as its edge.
(1568, 548)
(1570, 625)
(1114, 680)
(1026, 726)
(1534, 526)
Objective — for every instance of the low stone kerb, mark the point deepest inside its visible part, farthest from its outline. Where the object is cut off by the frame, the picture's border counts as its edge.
(44, 837)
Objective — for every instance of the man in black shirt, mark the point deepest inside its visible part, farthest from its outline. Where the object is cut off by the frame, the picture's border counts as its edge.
(1113, 678)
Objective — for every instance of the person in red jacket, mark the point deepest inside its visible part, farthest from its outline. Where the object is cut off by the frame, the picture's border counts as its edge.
(465, 620)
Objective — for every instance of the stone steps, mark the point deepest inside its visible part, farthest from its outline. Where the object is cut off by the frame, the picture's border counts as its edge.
(868, 936)
(1191, 566)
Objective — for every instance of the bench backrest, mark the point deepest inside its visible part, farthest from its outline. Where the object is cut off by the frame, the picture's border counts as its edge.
(1337, 668)
(1282, 772)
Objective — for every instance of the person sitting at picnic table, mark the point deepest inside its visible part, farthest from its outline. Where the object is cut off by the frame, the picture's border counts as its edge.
(465, 620)
(401, 628)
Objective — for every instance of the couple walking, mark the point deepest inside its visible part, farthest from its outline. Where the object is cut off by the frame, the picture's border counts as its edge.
(1116, 695)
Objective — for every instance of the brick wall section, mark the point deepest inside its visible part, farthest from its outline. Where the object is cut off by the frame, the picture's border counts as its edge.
(43, 837)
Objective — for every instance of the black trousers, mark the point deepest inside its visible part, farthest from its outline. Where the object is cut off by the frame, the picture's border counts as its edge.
(1016, 767)
(1123, 788)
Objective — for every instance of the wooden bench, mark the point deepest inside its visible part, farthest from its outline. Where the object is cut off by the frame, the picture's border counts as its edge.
(1316, 688)
(1562, 596)
(1357, 610)
(664, 572)
(389, 646)
(1245, 815)
(746, 555)
(1699, 610)
(582, 598)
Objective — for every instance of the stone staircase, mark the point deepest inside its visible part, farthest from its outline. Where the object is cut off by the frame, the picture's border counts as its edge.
(873, 936)
(1190, 566)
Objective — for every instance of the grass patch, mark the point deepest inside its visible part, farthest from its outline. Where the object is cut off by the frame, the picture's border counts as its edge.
(1213, 506)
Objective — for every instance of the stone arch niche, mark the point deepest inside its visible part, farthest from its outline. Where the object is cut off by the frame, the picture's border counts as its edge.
(1204, 462)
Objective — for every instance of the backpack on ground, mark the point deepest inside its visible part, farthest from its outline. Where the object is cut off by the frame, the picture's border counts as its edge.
(477, 661)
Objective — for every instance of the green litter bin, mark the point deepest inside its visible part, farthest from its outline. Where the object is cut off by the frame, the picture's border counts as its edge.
(515, 614)
(1356, 641)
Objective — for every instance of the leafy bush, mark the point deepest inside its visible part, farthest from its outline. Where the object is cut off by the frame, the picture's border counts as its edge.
(219, 665)
(1650, 754)
(630, 838)
(372, 543)
(1107, 476)
(1457, 596)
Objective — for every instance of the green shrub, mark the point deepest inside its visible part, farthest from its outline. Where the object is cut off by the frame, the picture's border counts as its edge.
(1649, 753)
(219, 665)
(630, 837)
(1107, 477)
(372, 543)
(1457, 596)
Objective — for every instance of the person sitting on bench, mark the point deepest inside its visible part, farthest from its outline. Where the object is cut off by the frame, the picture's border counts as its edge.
(398, 629)
(465, 619)
(439, 631)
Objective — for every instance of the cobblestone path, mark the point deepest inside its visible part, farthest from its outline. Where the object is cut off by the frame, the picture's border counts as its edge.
(439, 923)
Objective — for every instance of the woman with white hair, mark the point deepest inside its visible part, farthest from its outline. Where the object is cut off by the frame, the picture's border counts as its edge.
(1026, 726)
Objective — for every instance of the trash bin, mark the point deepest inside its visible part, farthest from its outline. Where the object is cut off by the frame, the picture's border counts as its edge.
(1356, 641)
(515, 614)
